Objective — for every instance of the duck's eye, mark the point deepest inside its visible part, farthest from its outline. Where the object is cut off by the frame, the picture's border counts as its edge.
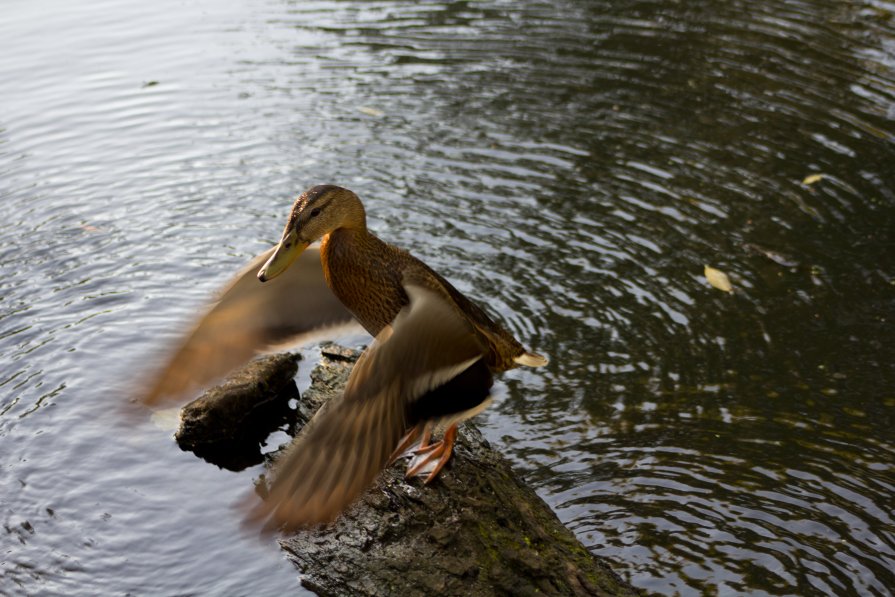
(315, 212)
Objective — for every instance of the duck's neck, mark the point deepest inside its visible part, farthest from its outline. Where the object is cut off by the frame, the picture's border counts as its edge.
(347, 243)
(344, 244)
(357, 270)
(343, 255)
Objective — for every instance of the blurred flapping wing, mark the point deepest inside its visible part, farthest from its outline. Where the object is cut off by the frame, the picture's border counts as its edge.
(249, 317)
(339, 453)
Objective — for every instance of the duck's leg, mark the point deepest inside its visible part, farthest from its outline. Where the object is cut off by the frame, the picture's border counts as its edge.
(425, 446)
(407, 441)
(438, 453)
(447, 448)
(409, 445)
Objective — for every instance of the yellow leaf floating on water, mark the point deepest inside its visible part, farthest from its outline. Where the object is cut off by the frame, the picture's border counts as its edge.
(813, 178)
(371, 111)
(718, 279)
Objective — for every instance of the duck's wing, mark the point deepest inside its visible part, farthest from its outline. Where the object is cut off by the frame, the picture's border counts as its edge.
(249, 317)
(339, 453)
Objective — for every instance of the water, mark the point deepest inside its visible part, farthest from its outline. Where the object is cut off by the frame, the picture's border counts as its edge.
(571, 164)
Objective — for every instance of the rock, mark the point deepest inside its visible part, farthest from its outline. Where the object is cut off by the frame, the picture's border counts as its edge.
(476, 530)
(336, 352)
(227, 424)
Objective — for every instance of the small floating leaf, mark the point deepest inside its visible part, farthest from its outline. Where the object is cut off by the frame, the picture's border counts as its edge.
(813, 178)
(150, 84)
(371, 111)
(718, 279)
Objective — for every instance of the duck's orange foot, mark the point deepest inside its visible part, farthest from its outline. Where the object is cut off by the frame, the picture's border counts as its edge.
(431, 458)
(407, 442)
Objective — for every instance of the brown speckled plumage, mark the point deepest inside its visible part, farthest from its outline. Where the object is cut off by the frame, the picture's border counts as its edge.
(367, 274)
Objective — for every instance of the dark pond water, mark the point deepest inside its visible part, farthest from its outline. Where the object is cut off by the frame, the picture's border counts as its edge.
(573, 164)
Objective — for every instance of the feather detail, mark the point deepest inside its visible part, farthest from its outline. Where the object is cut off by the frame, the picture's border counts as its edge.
(250, 317)
(345, 446)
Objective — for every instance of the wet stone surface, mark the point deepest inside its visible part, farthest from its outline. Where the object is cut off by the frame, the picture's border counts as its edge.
(228, 423)
(478, 529)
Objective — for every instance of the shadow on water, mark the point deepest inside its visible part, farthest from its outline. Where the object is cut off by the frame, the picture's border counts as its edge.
(575, 164)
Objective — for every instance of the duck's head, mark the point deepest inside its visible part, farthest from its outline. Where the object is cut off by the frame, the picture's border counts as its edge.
(317, 212)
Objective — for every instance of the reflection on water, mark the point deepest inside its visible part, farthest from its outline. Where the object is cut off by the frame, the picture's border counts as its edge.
(574, 163)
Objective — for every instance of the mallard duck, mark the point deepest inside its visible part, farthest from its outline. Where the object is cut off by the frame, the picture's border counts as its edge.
(430, 366)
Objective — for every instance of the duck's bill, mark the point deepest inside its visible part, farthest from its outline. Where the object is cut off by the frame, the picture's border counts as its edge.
(286, 252)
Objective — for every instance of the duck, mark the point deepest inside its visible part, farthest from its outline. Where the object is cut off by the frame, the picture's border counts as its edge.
(430, 366)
